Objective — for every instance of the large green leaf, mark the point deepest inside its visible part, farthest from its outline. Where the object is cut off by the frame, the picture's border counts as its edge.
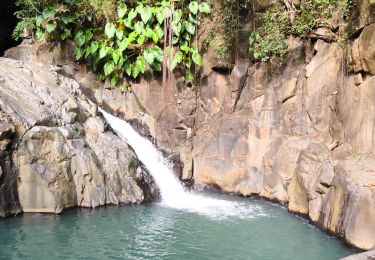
(139, 66)
(158, 53)
(80, 38)
(51, 26)
(159, 31)
(177, 14)
(185, 48)
(124, 44)
(148, 54)
(39, 33)
(121, 10)
(205, 8)
(131, 15)
(94, 47)
(177, 59)
(146, 13)
(128, 68)
(119, 34)
(103, 52)
(108, 68)
(149, 33)
(177, 27)
(193, 7)
(66, 34)
(190, 28)
(116, 55)
(66, 18)
(78, 54)
(49, 11)
(141, 39)
(114, 79)
(197, 58)
(139, 27)
(39, 21)
(110, 30)
(88, 35)
(160, 15)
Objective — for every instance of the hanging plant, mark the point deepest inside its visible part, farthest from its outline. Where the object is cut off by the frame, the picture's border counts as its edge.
(124, 48)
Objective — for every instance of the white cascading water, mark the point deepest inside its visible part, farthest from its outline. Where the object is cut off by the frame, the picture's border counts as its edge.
(172, 192)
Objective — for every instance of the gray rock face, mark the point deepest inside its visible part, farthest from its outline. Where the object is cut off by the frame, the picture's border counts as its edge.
(64, 155)
(45, 180)
(369, 255)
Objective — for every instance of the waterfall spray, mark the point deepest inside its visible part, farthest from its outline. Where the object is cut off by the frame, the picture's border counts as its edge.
(172, 192)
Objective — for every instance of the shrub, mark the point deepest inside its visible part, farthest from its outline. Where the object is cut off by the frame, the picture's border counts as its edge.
(118, 40)
(271, 38)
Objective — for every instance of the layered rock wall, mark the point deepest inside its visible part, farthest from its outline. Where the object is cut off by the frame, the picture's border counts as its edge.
(56, 151)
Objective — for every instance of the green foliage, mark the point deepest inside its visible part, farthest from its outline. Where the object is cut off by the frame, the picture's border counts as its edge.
(271, 39)
(50, 19)
(226, 27)
(125, 47)
(312, 13)
(119, 40)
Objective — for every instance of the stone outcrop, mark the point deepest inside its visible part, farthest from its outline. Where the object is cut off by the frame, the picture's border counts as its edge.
(56, 151)
(369, 255)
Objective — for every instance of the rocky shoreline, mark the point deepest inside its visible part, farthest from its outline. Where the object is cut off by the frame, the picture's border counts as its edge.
(56, 150)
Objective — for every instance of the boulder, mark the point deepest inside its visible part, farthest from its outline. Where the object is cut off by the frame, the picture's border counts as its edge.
(366, 43)
(66, 156)
(349, 206)
(45, 179)
(312, 178)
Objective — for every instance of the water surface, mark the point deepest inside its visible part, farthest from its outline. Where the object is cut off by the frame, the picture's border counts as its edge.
(258, 230)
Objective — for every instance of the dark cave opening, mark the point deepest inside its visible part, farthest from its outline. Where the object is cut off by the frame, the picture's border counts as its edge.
(8, 22)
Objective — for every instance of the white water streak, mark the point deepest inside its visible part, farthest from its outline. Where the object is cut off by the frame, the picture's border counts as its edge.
(172, 192)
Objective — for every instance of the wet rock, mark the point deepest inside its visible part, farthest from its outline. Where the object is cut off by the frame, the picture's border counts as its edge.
(151, 191)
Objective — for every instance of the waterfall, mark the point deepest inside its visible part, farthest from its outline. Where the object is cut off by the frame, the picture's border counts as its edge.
(172, 192)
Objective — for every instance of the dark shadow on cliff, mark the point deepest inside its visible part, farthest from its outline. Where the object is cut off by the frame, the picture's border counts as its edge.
(7, 25)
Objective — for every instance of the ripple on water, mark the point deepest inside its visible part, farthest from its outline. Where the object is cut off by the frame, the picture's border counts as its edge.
(239, 229)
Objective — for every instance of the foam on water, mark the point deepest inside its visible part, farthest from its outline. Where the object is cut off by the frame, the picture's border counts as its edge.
(172, 192)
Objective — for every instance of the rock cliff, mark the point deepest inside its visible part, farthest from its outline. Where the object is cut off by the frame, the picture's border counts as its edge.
(56, 150)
